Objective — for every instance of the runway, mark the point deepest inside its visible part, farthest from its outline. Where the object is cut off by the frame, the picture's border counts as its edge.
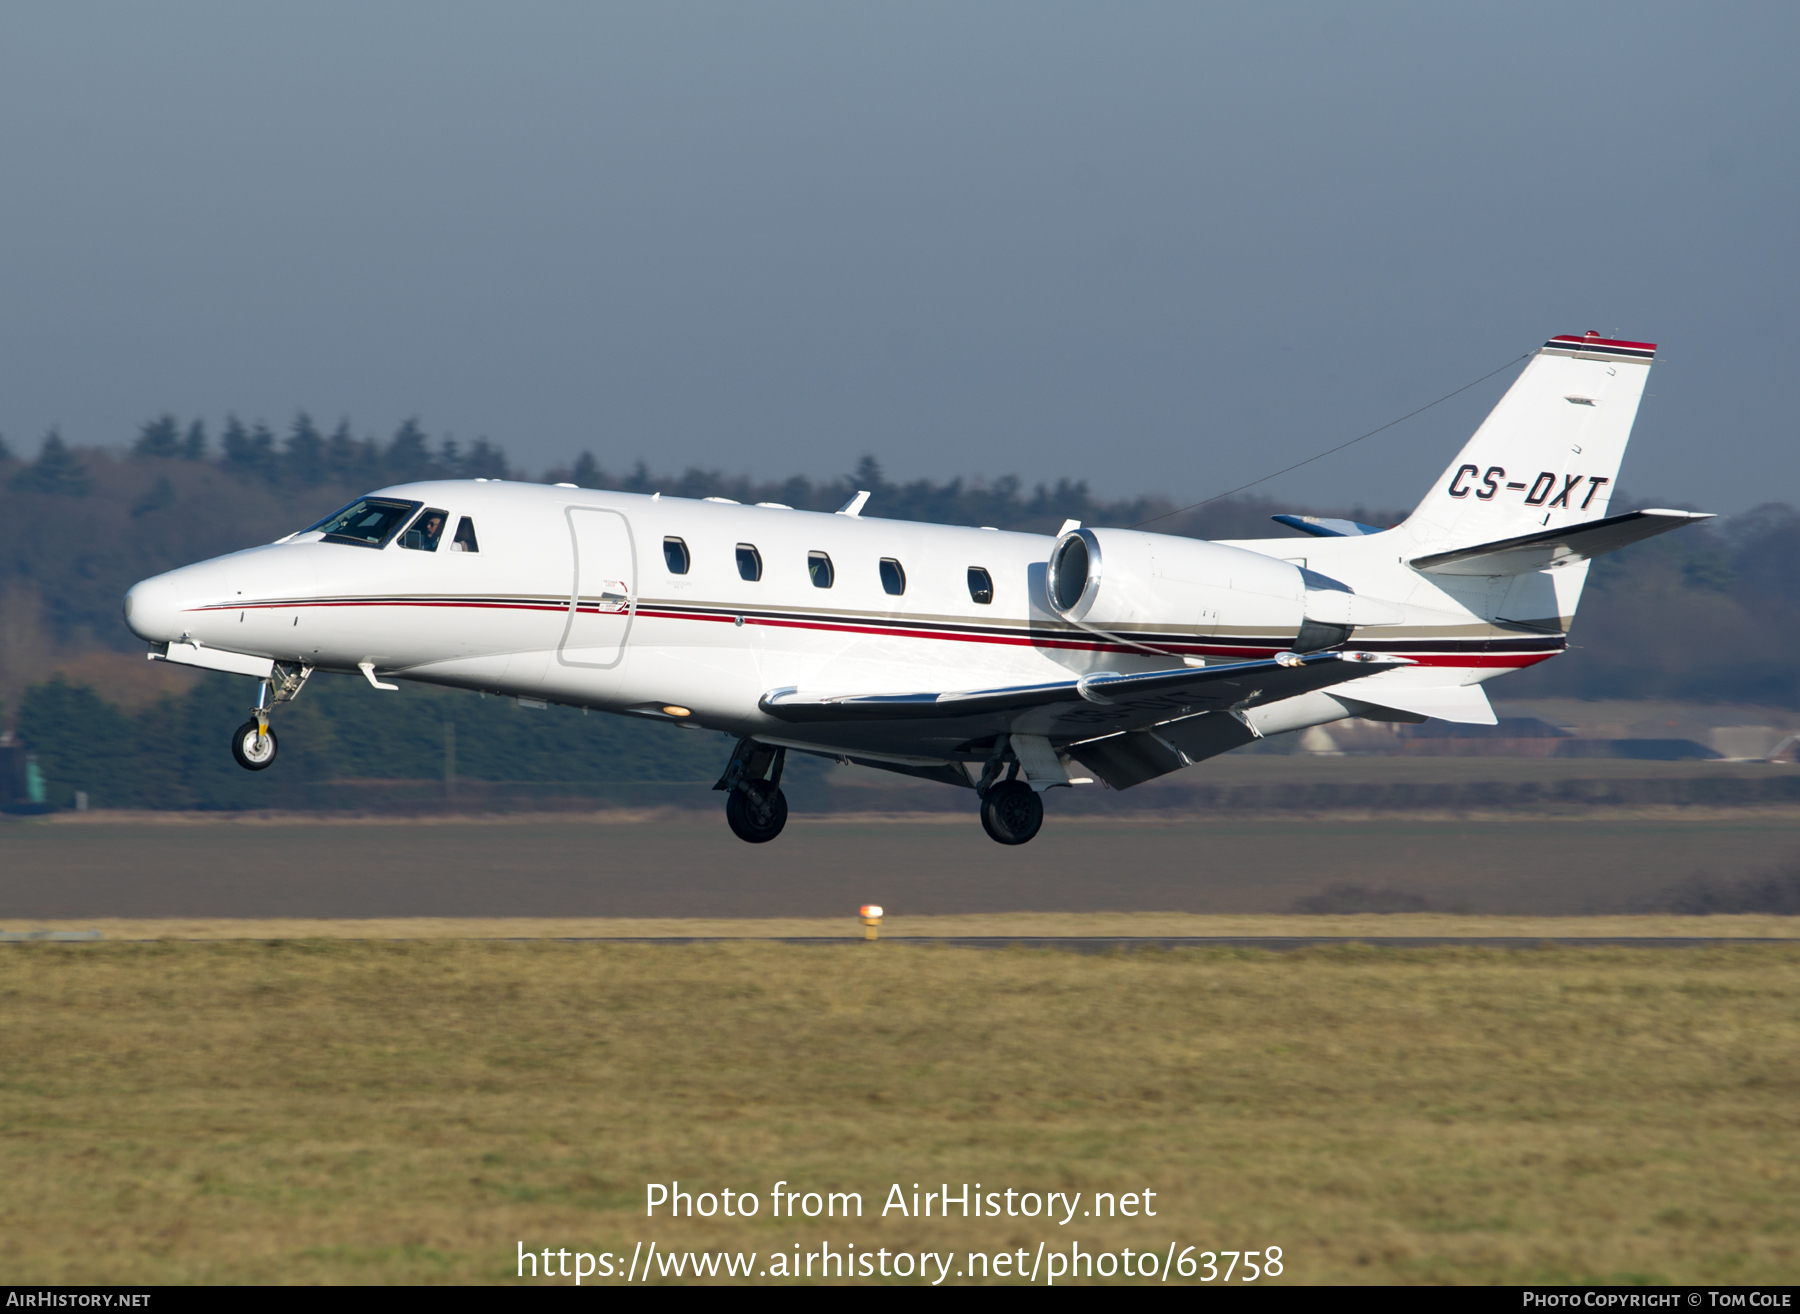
(687, 867)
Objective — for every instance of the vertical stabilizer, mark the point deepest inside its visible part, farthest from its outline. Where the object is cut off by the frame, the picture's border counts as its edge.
(1548, 455)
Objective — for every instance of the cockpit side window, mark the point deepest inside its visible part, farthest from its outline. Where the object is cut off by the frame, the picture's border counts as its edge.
(367, 522)
(981, 586)
(425, 531)
(465, 537)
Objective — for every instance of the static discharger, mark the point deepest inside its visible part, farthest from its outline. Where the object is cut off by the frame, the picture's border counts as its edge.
(871, 920)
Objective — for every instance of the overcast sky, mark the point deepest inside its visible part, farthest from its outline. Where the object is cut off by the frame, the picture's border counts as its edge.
(1164, 248)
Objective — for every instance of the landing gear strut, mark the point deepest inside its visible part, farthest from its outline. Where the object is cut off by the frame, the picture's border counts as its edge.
(253, 743)
(755, 807)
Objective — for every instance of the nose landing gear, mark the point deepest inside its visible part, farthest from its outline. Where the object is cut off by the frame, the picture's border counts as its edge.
(755, 807)
(253, 743)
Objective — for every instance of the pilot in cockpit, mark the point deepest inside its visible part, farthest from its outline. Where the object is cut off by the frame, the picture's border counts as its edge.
(426, 530)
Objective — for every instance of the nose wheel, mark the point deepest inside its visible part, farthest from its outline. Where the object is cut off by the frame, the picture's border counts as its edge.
(253, 745)
(1011, 812)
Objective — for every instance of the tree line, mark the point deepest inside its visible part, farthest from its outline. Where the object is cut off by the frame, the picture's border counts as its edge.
(307, 458)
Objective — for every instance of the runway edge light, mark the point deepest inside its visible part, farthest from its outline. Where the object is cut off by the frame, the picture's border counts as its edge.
(871, 920)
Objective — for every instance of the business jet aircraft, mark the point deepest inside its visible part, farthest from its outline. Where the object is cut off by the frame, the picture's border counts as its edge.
(1003, 663)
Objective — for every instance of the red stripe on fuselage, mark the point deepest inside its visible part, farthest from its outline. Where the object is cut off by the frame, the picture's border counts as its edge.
(1195, 648)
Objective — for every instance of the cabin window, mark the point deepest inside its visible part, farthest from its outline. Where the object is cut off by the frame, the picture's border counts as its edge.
(893, 576)
(981, 585)
(818, 565)
(749, 562)
(465, 537)
(367, 522)
(675, 555)
(425, 531)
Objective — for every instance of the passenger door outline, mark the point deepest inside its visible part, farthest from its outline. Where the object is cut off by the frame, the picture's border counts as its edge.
(602, 606)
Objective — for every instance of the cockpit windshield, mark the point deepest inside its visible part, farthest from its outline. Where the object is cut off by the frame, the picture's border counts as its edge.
(366, 522)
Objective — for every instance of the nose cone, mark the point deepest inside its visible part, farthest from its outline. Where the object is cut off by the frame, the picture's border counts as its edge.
(152, 610)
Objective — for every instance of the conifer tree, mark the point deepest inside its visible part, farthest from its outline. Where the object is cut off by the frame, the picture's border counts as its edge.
(305, 457)
(484, 461)
(57, 470)
(250, 452)
(341, 454)
(408, 457)
(159, 439)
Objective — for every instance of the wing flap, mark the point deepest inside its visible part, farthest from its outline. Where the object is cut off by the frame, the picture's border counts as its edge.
(1555, 547)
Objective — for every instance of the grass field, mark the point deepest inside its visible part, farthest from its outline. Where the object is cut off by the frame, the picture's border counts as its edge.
(368, 1112)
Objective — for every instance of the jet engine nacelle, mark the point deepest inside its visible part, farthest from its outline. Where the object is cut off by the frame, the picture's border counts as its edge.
(1118, 580)
(1121, 579)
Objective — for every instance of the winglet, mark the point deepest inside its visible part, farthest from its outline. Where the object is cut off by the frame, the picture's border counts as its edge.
(853, 508)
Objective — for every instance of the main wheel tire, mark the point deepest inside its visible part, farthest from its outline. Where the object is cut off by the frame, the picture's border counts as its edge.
(1012, 812)
(756, 811)
(253, 751)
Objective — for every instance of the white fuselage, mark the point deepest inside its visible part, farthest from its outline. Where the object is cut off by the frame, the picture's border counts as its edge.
(570, 598)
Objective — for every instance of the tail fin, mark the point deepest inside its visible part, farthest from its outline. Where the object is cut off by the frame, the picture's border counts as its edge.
(1548, 455)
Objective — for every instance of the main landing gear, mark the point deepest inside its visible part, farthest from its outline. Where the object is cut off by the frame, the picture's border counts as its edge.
(1011, 810)
(253, 744)
(755, 807)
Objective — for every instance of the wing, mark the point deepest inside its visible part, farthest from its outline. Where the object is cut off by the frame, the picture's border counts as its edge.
(1553, 547)
(1099, 704)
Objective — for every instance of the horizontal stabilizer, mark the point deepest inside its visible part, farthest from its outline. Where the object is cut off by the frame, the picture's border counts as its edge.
(1320, 527)
(1556, 547)
(1465, 703)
